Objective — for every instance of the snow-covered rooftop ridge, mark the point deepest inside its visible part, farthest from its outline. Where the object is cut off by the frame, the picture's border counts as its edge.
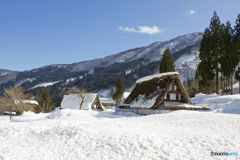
(30, 101)
(159, 75)
(26, 101)
(126, 94)
(106, 100)
(73, 101)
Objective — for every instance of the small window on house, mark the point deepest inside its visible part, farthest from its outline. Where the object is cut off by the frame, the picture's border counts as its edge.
(173, 96)
(170, 87)
(175, 88)
(179, 97)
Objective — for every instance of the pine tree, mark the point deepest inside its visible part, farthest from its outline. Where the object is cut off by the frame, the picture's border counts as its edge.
(216, 30)
(166, 63)
(228, 55)
(237, 49)
(120, 89)
(210, 51)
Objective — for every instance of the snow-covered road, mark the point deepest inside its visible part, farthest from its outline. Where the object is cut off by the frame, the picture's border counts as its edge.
(74, 134)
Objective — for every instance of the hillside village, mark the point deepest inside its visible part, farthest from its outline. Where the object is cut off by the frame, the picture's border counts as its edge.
(178, 99)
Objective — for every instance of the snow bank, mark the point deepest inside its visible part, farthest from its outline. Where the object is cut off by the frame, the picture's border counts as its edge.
(199, 94)
(79, 134)
(219, 104)
(147, 78)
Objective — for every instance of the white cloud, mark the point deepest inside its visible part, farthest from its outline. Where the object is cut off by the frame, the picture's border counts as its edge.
(191, 12)
(144, 29)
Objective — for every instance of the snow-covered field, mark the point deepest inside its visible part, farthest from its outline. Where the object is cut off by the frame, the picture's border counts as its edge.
(75, 134)
(219, 104)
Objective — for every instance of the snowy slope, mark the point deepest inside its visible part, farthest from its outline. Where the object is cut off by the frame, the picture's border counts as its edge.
(75, 134)
(219, 104)
(45, 84)
(186, 65)
(153, 52)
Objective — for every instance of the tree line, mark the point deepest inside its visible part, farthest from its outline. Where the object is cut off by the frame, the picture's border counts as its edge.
(220, 56)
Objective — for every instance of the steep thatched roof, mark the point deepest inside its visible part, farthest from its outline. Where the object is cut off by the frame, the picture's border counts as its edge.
(149, 91)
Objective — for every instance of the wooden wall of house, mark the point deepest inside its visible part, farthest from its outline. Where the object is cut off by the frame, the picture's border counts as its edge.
(175, 93)
(107, 104)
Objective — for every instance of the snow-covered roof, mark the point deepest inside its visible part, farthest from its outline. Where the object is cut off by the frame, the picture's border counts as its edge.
(26, 101)
(126, 94)
(30, 101)
(106, 100)
(8, 112)
(73, 101)
(159, 75)
(142, 102)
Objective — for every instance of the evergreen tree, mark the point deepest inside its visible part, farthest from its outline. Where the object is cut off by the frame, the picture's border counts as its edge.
(120, 89)
(228, 55)
(205, 70)
(216, 30)
(166, 63)
(210, 51)
(237, 45)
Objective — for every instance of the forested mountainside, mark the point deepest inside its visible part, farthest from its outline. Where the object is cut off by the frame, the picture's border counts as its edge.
(103, 73)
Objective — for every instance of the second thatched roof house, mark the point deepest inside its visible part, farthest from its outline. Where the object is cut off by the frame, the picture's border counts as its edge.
(162, 91)
(91, 101)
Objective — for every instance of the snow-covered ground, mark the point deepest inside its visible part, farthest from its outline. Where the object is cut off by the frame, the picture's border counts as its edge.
(75, 134)
(219, 104)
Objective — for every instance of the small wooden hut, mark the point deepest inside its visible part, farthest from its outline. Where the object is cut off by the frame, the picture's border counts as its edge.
(162, 91)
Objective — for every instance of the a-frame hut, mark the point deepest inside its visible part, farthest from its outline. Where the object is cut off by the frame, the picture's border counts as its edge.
(162, 91)
(91, 101)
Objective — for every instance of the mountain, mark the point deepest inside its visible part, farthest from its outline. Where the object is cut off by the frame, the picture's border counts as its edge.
(4, 72)
(102, 73)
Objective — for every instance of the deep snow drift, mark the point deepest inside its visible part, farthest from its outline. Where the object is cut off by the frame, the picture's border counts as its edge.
(75, 134)
(219, 104)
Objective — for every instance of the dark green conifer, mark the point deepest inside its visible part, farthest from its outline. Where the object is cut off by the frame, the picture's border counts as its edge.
(166, 63)
(237, 49)
(120, 89)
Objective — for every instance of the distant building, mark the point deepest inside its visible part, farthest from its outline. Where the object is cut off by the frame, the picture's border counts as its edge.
(90, 102)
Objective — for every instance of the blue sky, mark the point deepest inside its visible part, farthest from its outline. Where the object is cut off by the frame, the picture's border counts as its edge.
(35, 33)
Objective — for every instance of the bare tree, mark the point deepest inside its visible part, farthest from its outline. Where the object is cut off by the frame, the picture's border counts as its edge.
(13, 98)
(80, 92)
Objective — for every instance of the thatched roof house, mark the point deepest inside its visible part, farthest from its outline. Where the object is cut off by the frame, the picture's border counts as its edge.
(90, 102)
(162, 91)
